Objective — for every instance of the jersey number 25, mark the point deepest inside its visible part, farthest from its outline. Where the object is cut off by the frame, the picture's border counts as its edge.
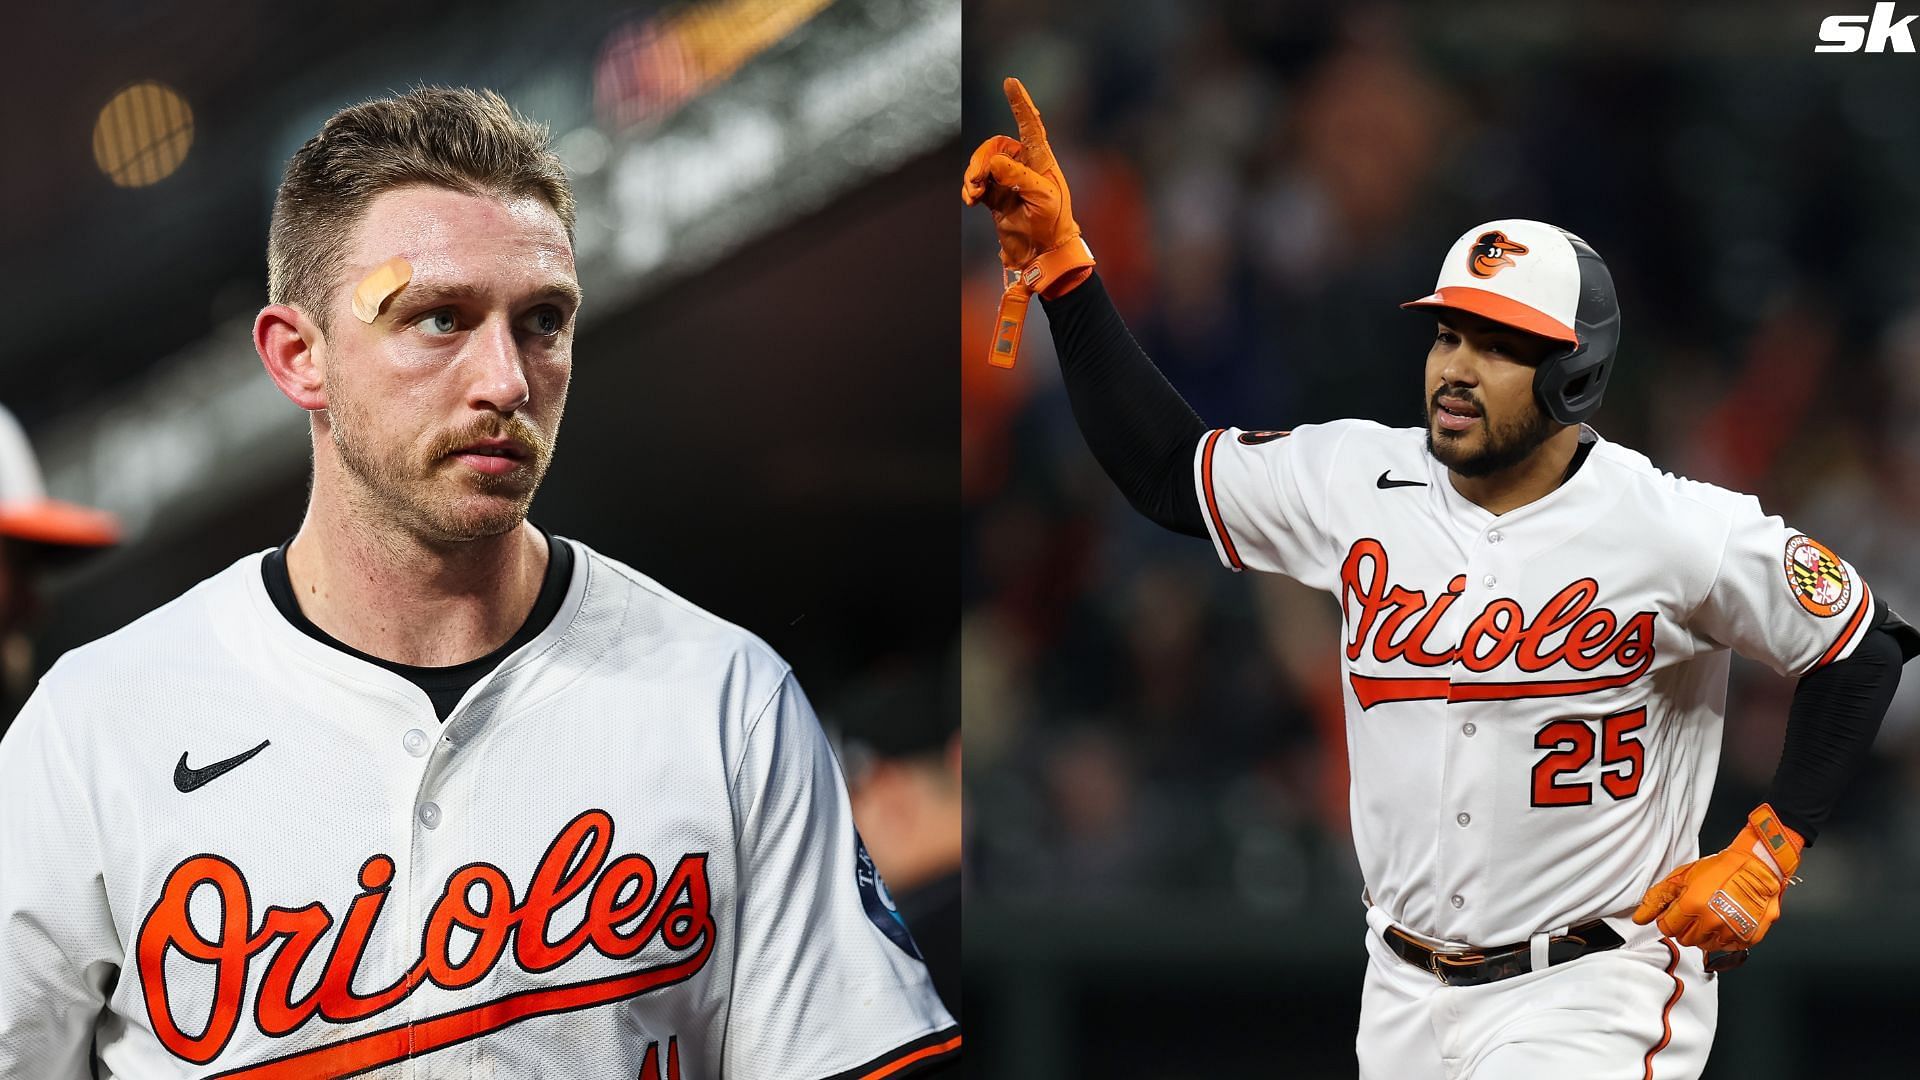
(1571, 746)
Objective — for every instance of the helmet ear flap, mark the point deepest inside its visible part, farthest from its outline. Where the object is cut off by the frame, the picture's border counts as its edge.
(1570, 384)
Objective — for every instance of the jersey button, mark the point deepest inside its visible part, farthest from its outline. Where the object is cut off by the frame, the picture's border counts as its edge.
(430, 815)
(1468, 729)
(1494, 537)
(415, 741)
(1489, 581)
(1459, 901)
(1463, 818)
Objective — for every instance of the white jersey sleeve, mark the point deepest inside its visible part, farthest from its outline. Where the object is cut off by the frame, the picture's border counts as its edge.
(1264, 495)
(827, 981)
(59, 952)
(1782, 597)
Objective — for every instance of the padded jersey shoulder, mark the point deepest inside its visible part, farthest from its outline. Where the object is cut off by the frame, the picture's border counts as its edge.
(190, 629)
(660, 633)
(646, 627)
(1674, 521)
(658, 618)
(1334, 442)
(1365, 452)
(1698, 500)
(1335, 433)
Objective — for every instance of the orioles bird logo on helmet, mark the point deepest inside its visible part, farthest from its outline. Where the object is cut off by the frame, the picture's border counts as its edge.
(1492, 253)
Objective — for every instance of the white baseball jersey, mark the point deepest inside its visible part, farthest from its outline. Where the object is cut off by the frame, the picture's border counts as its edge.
(627, 853)
(1534, 700)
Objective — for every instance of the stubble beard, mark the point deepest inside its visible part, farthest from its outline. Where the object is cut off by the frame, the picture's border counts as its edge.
(1504, 445)
(425, 493)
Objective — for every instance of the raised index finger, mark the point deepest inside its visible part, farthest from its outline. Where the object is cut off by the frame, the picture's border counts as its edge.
(1032, 132)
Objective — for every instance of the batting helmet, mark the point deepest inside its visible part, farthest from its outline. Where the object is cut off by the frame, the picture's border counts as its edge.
(1545, 280)
(54, 528)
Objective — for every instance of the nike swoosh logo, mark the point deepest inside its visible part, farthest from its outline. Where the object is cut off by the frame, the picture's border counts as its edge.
(187, 779)
(1383, 483)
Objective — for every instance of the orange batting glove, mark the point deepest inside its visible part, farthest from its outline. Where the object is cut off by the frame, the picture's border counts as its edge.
(1726, 902)
(1040, 246)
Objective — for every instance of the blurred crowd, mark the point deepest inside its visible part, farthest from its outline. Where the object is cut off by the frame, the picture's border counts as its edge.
(1263, 184)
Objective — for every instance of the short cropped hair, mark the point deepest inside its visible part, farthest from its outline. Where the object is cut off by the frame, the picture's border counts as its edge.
(470, 141)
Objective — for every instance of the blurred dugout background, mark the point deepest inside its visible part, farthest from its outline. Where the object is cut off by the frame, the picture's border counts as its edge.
(1162, 879)
(764, 240)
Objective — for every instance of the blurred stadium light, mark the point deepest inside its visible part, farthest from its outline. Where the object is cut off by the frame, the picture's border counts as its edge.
(143, 134)
(651, 66)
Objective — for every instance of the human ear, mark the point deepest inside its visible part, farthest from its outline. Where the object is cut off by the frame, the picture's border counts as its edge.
(287, 340)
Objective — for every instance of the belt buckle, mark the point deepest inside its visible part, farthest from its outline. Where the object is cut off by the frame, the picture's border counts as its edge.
(1437, 962)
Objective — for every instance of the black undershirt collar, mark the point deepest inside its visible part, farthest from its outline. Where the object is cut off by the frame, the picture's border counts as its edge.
(1579, 455)
(444, 686)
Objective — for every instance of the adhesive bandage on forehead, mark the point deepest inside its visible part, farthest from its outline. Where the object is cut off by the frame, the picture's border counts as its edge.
(377, 288)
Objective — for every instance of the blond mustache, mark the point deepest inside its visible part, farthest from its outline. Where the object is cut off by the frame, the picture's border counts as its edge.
(528, 441)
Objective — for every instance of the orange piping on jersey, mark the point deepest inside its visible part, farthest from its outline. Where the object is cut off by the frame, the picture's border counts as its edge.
(922, 1054)
(1859, 612)
(1213, 507)
(1666, 1014)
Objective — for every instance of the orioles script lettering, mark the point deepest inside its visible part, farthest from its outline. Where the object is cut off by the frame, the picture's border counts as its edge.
(624, 911)
(1390, 623)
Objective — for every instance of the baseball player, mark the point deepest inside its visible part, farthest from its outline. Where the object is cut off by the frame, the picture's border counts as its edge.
(1537, 624)
(428, 792)
(36, 534)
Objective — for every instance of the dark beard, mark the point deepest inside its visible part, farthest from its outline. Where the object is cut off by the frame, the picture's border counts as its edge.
(1506, 445)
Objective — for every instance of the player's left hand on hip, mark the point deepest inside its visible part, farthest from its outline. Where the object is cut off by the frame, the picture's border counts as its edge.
(1727, 901)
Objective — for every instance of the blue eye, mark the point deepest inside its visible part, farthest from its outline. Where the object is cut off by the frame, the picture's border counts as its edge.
(438, 323)
(545, 322)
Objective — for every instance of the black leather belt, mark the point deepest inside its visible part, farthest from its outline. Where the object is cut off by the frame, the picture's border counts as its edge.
(1474, 967)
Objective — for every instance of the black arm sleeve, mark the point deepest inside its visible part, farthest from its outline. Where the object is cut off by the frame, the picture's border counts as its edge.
(1138, 426)
(1835, 714)
(1903, 632)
